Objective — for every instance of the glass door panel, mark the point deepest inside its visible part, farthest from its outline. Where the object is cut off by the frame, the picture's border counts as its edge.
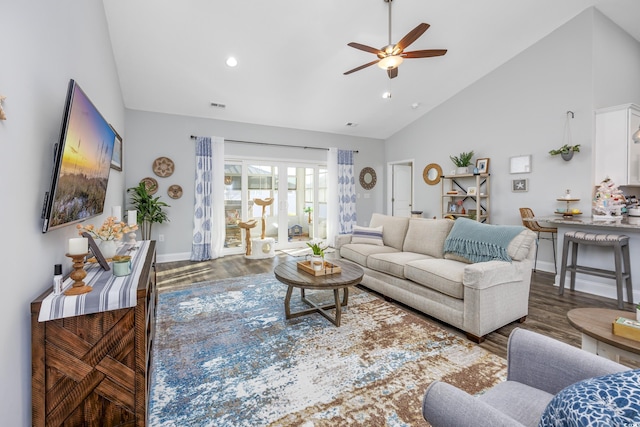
(233, 205)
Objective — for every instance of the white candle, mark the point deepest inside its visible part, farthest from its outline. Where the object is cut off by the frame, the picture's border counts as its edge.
(79, 245)
(132, 217)
(116, 211)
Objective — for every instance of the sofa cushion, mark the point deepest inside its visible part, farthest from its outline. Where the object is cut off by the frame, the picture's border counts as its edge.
(480, 242)
(609, 400)
(442, 275)
(359, 252)
(393, 263)
(427, 236)
(367, 235)
(394, 229)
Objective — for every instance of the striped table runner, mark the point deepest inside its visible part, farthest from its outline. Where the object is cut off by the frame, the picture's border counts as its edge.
(109, 292)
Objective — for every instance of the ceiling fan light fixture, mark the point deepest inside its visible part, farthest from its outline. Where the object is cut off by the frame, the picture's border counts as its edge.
(390, 62)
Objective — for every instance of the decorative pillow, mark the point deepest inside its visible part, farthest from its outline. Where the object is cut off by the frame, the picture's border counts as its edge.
(368, 235)
(609, 400)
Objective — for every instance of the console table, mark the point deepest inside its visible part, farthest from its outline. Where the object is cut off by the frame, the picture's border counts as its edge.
(93, 369)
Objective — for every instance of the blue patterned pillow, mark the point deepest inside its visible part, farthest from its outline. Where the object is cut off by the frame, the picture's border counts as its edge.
(610, 400)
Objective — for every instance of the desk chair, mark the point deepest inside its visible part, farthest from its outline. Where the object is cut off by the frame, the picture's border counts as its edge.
(533, 225)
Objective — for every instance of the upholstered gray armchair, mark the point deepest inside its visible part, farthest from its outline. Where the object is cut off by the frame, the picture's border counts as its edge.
(538, 368)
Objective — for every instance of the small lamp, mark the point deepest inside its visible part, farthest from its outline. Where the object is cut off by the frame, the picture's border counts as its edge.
(636, 136)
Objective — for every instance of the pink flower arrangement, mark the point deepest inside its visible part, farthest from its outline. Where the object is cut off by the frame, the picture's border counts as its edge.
(110, 229)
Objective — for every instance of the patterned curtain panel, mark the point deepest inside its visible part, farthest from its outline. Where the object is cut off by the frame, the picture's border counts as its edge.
(346, 192)
(208, 212)
(332, 195)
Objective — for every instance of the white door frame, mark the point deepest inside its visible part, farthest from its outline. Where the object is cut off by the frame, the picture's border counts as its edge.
(407, 162)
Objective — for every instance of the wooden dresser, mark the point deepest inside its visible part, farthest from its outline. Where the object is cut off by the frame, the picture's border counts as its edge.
(93, 369)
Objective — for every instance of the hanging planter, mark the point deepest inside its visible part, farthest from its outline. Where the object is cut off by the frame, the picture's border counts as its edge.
(567, 150)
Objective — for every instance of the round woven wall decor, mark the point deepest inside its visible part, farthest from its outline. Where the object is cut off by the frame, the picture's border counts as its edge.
(151, 184)
(175, 191)
(163, 167)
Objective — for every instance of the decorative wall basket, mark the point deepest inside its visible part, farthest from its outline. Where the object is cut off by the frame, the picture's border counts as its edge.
(163, 167)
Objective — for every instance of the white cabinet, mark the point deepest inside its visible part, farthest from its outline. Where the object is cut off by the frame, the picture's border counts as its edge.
(615, 154)
(466, 195)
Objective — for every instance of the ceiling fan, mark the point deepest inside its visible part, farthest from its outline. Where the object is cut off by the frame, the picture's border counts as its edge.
(392, 55)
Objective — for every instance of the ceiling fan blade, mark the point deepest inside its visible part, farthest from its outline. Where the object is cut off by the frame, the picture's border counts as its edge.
(361, 67)
(393, 73)
(365, 48)
(424, 53)
(412, 36)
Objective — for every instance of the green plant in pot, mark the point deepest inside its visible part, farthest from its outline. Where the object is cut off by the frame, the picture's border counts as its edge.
(149, 209)
(462, 161)
(316, 249)
(566, 151)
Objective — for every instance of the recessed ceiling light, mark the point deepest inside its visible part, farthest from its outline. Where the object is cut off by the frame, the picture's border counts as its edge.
(415, 105)
(232, 62)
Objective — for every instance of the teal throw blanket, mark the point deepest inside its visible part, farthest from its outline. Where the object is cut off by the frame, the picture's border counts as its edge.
(480, 242)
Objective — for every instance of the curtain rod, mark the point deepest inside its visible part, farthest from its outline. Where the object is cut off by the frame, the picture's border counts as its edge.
(275, 145)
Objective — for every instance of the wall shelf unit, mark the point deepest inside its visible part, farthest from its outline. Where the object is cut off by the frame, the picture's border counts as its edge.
(466, 196)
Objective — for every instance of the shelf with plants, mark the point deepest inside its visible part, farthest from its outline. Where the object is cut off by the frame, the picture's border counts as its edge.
(466, 195)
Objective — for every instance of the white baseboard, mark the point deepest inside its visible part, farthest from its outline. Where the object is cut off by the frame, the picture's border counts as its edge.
(181, 256)
(605, 288)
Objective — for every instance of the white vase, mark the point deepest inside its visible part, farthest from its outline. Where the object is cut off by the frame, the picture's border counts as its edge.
(462, 170)
(108, 248)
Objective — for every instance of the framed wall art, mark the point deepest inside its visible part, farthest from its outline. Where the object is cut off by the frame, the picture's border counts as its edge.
(116, 157)
(519, 185)
(482, 165)
(520, 164)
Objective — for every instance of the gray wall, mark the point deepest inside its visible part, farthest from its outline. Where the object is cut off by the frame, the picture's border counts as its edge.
(45, 44)
(151, 135)
(520, 108)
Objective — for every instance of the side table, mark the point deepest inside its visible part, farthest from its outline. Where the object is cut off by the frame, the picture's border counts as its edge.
(595, 324)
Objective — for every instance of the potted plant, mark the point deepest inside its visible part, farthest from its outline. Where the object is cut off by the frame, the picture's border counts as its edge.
(317, 259)
(566, 151)
(463, 161)
(308, 211)
(149, 209)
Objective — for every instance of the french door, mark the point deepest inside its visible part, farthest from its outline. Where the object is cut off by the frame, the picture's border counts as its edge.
(290, 198)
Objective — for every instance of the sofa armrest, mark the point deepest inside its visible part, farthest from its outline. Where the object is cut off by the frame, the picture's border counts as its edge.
(445, 405)
(342, 239)
(483, 275)
(550, 365)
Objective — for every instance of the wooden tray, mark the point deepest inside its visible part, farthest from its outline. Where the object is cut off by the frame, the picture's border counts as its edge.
(327, 270)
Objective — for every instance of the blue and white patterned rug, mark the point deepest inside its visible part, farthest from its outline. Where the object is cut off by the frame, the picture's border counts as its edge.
(224, 355)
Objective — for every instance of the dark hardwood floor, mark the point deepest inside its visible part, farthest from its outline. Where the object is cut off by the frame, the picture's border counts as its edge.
(547, 310)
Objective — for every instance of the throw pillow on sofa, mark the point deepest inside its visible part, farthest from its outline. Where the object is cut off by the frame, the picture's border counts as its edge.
(367, 235)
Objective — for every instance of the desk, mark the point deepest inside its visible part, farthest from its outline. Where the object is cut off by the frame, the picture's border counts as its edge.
(596, 256)
(597, 336)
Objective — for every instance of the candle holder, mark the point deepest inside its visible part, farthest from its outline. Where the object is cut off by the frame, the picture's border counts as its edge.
(78, 273)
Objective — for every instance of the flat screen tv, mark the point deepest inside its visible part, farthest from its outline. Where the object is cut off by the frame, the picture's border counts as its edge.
(81, 166)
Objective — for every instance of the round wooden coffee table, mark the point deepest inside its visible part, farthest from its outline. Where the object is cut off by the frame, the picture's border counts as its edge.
(289, 274)
(597, 336)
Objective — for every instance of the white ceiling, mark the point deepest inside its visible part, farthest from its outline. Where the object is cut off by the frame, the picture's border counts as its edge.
(292, 54)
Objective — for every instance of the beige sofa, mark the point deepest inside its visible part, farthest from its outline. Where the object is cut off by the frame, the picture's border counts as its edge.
(411, 267)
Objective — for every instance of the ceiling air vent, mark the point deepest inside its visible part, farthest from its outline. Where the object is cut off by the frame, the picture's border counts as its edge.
(351, 124)
(217, 105)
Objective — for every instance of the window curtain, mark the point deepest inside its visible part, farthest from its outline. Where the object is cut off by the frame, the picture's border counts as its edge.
(341, 205)
(208, 209)
(346, 192)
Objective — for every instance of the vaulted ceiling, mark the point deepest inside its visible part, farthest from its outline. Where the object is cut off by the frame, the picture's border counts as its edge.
(170, 55)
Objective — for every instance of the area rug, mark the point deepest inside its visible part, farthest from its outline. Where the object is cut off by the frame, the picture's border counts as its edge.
(224, 355)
